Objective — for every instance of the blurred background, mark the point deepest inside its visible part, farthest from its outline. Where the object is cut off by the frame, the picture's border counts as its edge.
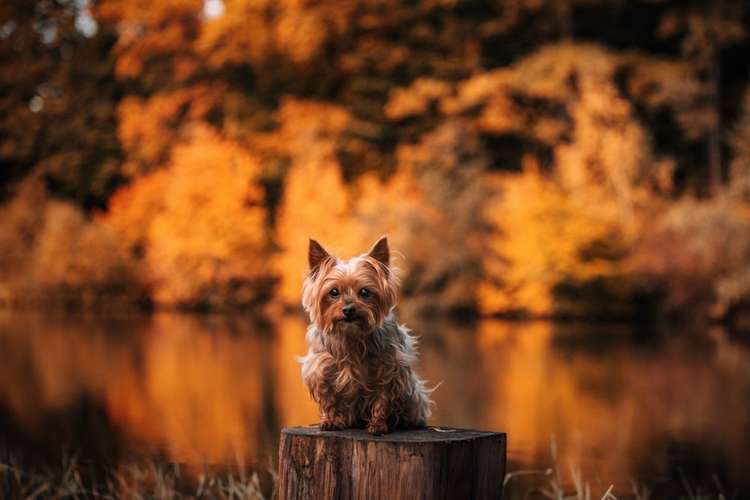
(566, 184)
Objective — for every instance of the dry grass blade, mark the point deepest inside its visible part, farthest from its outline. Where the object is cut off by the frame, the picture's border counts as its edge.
(608, 494)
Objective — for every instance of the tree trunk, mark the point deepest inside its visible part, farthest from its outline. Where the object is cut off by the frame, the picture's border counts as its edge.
(714, 95)
(420, 464)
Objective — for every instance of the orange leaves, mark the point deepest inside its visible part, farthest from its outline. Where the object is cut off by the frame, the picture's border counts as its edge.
(316, 202)
(239, 35)
(540, 233)
(149, 127)
(147, 12)
(573, 225)
(148, 31)
(53, 253)
(256, 31)
(200, 223)
(250, 32)
(73, 254)
(415, 99)
(428, 209)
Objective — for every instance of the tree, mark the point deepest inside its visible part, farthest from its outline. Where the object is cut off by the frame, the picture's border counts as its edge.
(198, 225)
(57, 100)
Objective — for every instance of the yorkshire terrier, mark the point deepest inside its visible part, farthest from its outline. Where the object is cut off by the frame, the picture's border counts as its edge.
(358, 366)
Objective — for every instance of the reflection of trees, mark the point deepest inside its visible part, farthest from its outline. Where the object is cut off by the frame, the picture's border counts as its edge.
(198, 393)
(216, 388)
(291, 399)
(617, 409)
(50, 362)
(190, 386)
(450, 360)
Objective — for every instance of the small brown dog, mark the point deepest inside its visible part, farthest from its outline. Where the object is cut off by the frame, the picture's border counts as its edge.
(358, 367)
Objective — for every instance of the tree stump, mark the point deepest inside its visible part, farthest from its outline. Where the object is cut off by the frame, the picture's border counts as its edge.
(419, 464)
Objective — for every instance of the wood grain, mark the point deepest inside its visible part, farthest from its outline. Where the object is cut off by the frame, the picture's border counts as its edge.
(419, 464)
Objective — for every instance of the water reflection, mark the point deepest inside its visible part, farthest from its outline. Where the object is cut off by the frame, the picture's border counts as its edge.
(618, 408)
(205, 389)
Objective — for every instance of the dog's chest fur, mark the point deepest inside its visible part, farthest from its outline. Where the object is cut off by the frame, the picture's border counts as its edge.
(350, 370)
(350, 365)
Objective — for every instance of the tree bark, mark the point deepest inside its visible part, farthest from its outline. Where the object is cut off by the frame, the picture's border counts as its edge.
(419, 464)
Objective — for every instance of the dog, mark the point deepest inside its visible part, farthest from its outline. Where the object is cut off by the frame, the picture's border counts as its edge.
(359, 363)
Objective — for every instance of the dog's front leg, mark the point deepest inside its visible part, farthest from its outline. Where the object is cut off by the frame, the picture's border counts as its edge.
(332, 421)
(379, 417)
(332, 417)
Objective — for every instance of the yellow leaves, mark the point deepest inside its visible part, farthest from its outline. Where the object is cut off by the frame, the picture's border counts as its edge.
(547, 72)
(316, 202)
(306, 122)
(200, 223)
(298, 34)
(148, 31)
(414, 100)
(53, 252)
(315, 205)
(176, 34)
(475, 91)
(237, 36)
(540, 235)
(563, 96)
(147, 12)
(73, 253)
(610, 150)
(149, 127)
(345, 219)
(132, 208)
(256, 31)
(428, 209)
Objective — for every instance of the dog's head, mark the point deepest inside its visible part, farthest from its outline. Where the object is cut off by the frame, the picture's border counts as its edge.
(349, 297)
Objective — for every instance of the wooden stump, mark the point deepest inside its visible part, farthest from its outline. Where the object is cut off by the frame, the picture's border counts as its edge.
(421, 464)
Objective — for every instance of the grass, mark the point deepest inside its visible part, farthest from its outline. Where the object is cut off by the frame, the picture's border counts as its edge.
(152, 480)
(71, 479)
(551, 484)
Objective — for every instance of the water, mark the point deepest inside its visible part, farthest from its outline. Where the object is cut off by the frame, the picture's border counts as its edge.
(599, 400)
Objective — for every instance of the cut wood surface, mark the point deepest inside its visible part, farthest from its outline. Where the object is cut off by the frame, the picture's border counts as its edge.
(418, 464)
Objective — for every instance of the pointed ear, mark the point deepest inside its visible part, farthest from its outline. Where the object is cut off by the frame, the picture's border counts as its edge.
(316, 254)
(380, 252)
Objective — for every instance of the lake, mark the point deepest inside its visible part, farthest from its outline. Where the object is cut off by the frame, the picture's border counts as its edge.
(608, 403)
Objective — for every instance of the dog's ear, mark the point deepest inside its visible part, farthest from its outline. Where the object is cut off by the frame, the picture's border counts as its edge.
(316, 254)
(380, 252)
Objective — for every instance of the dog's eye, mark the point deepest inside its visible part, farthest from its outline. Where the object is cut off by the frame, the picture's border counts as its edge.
(364, 293)
(334, 292)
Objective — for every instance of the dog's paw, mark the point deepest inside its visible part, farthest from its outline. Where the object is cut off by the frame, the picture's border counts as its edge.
(329, 426)
(377, 428)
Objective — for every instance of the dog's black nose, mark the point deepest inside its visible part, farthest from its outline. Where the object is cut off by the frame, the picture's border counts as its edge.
(349, 310)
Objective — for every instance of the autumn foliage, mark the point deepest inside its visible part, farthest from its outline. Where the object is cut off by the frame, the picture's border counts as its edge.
(196, 226)
(523, 157)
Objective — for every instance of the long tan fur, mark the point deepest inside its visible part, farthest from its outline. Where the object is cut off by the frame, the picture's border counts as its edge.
(358, 367)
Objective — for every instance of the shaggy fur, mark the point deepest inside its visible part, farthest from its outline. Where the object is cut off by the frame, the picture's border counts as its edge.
(358, 367)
